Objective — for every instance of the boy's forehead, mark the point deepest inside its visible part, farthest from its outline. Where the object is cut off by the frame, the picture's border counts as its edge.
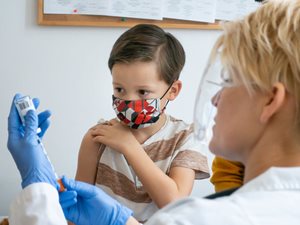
(138, 84)
(138, 73)
(136, 66)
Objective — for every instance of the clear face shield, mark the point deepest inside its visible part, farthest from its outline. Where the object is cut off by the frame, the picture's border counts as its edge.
(213, 80)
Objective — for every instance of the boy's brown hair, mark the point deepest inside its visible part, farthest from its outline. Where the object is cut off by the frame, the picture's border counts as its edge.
(147, 43)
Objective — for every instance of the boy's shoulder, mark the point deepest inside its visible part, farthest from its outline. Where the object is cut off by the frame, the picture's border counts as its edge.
(178, 130)
(102, 121)
(178, 124)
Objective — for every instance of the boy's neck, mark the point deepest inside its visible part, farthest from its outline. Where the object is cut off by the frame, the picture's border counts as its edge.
(144, 134)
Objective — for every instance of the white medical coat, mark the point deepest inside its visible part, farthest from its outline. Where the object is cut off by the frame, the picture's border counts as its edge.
(271, 198)
(37, 204)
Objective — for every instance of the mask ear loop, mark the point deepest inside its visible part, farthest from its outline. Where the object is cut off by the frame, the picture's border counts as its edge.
(164, 96)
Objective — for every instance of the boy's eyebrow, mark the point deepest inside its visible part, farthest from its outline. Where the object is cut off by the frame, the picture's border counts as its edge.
(144, 87)
(115, 83)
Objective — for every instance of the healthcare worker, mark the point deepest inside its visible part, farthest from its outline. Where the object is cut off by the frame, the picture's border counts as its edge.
(253, 82)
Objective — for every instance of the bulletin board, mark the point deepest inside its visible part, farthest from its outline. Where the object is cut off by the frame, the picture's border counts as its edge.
(110, 21)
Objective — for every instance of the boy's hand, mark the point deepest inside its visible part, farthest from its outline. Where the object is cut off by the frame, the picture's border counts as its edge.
(115, 135)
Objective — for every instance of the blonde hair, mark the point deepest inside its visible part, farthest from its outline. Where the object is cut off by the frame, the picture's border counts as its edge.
(264, 47)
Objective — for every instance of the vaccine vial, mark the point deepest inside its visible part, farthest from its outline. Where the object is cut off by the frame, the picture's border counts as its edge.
(23, 105)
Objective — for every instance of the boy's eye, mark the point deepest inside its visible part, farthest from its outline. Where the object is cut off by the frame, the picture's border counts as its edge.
(118, 90)
(143, 92)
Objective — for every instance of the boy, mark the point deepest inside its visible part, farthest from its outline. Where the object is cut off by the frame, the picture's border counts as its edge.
(144, 158)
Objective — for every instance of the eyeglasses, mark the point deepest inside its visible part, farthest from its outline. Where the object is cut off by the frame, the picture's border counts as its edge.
(225, 81)
(223, 84)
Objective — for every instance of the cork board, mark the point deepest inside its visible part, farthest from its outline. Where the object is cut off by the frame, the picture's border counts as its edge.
(110, 21)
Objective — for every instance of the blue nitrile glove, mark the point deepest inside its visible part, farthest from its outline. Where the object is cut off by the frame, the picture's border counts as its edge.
(93, 206)
(24, 145)
(67, 198)
(43, 118)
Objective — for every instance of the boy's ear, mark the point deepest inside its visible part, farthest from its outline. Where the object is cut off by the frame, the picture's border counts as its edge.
(174, 90)
(274, 102)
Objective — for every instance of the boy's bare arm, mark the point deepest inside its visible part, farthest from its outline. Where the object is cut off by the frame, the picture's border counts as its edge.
(162, 188)
(87, 160)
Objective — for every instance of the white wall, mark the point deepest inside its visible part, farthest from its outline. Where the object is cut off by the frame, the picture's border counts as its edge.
(66, 67)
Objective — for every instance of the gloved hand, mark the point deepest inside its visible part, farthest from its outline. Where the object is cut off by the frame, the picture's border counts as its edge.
(26, 149)
(43, 118)
(91, 205)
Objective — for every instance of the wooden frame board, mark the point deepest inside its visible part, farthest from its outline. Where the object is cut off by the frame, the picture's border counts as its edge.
(109, 21)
